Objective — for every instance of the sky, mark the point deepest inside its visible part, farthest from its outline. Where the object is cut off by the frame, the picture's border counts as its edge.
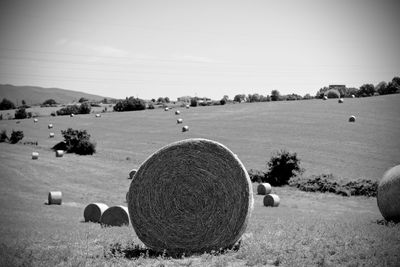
(211, 48)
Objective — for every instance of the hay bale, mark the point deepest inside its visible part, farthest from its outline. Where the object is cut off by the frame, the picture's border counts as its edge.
(51, 135)
(72, 115)
(93, 212)
(115, 216)
(352, 118)
(98, 115)
(179, 121)
(388, 195)
(325, 97)
(35, 155)
(132, 173)
(177, 112)
(264, 188)
(166, 109)
(340, 100)
(59, 153)
(187, 106)
(54, 198)
(191, 196)
(35, 120)
(50, 126)
(185, 128)
(271, 200)
(353, 96)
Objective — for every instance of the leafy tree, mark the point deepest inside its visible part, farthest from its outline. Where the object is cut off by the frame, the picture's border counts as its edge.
(16, 136)
(78, 141)
(193, 102)
(275, 95)
(20, 113)
(68, 110)
(130, 104)
(6, 104)
(332, 93)
(82, 99)
(3, 136)
(239, 98)
(84, 108)
(49, 102)
(282, 166)
(366, 90)
(381, 88)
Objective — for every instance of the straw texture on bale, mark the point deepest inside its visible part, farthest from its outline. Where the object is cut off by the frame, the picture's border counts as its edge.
(179, 121)
(271, 200)
(177, 112)
(51, 135)
(55, 198)
(388, 196)
(50, 126)
(264, 188)
(93, 212)
(191, 196)
(185, 128)
(352, 119)
(35, 155)
(132, 173)
(59, 153)
(115, 216)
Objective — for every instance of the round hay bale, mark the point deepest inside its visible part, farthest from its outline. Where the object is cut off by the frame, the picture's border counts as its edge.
(271, 200)
(325, 97)
(59, 153)
(340, 100)
(185, 128)
(98, 115)
(51, 135)
(54, 198)
(177, 112)
(93, 212)
(50, 126)
(115, 216)
(264, 188)
(72, 115)
(166, 109)
(352, 118)
(35, 155)
(353, 96)
(388, 195)
(179, 121)
(191, 196)
(187, 106)
(132, 173)
(35, 120)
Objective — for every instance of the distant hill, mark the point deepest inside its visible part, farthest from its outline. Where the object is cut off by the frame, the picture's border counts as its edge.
(36, 95)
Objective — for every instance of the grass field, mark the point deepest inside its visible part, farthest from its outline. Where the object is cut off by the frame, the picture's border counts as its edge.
(306, 229)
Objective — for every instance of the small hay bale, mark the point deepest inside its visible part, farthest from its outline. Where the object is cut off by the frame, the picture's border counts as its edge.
(35, 155)
(353, 96)
(325, 97)
(340, 100)
(388, 195)
(271, 200)
(177, 112)
(35, 120)
(72, 115)
(185, 128)
(166, 109)
(179, 121)
(50, 126)
(54, 198)
(98, 115)
(115, 216)
(93, 212)
(264, 188)
(187, 106)
(132, 173)
(51, 135)
(352, 119)
(191, 196)
(59, 153)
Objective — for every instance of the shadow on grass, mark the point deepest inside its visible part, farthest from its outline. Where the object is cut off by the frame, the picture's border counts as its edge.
(387, 223)
(135, 251)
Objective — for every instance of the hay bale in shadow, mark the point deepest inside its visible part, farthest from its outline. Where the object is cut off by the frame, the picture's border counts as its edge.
(94, 211)
(388, 197)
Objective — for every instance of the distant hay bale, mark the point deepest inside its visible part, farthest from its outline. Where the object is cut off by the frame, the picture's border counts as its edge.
(325, 97)
(35, 120)
(93, 212)
(72, 115)
(98, 115)
(271, 200)
(115, 216)
(132, 173)
(187, 106)
(177, 112)
(50, 126)
(166, 109)
(179, 121)
(35, 155)
(340, 100)
(353, 96)
(59, 153)
(352, 118)
(191, 196)
(54, 198)
(264, 188)
(388, 195)
(185, 128)
(51, 135)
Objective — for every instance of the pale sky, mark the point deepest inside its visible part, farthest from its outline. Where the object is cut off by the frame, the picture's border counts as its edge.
(205, 48)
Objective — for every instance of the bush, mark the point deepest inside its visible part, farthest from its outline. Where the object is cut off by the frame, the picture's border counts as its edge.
(84, 108)
(78, 141)
(16, 136)
(151, 106)
(193, 102)
(49, 103)
(68, 110)
(20, 113)
(6, 104)
(3, 136)
(130, 104)
(281, 167)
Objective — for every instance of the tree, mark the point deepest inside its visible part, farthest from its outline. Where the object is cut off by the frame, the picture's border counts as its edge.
(366, 90)
(6, 104)
(20, 113)
(130, 104)
(381, 88)
(49, 102)
(84, 108)
(239, 98)
(275, 95)
(82, 99)
(23, 103)
(281, 167)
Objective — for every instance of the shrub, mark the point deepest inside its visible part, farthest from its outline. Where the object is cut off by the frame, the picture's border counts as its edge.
(193, 102)
(3, 136)
(20, 113)
(151, 106)
(6, 104)
(130, 104)
(68, 110)
(84, 108)
(281, 167)
(256, 176)
(78, 141)
(222, 101)
(49, 103)
(16, 136)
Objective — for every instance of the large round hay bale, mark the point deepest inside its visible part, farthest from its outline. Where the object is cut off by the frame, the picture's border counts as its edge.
(185, 128)
(352, 118)
(54, 198)
(388, 196)
(132, 173)
(179, 121)
(93, 212)
(191, 196)
(51, 135)
(177, 112)
(50, 126)
(59, 153)
(35, 155)
(264, 188)
(115, 216)
(271, 200)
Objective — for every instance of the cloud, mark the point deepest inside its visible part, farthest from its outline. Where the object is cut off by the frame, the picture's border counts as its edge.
(98, 49)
